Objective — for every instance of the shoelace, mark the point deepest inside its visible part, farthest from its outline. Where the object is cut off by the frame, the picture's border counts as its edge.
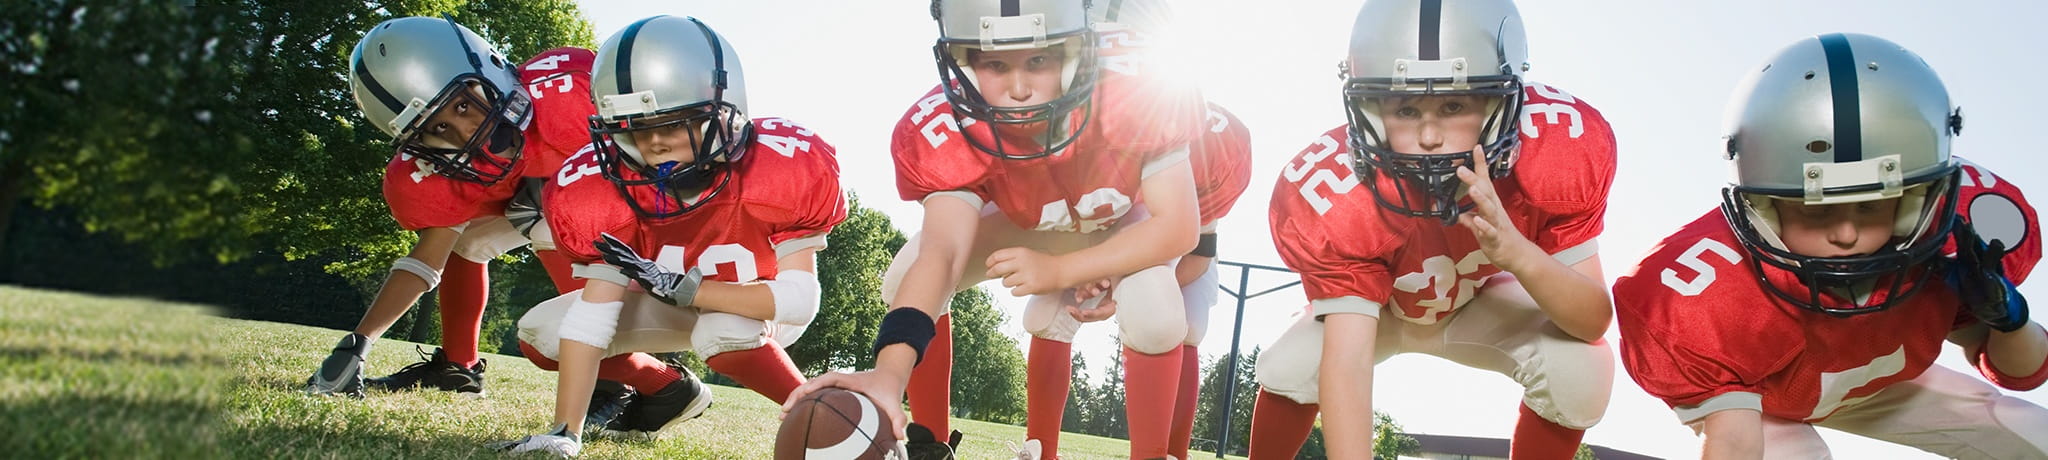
(1021, 453)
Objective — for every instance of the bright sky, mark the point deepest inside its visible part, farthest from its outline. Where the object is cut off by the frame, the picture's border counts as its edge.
(1660, 71)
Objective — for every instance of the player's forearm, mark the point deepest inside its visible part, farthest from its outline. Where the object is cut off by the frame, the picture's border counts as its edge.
(1733, 435)
(752, 300)
(2018, 353)
(1344, 378)
(400, 291)
(896, 361)
(1575, 302)
(1191, 267)
(1153, 242)
(402, 288)
(576, 378)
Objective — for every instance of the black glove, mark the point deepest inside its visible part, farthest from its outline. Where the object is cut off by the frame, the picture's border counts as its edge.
(679, 289)
(1979, 280)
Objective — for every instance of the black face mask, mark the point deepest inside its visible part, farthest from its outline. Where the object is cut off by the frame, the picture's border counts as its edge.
(1426, 185)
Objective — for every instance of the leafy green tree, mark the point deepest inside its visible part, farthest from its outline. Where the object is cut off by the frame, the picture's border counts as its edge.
(1388, 440)
(850, 304)
(988, 369)
(228, 124)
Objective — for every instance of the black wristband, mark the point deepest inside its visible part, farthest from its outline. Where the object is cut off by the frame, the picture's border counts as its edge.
(1205, 247)
(908, 326)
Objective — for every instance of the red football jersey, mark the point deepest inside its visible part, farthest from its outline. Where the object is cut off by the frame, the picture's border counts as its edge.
(1222, 162)
(1135, 122)
(1333, 232)
(558, 81)
(1696, 325)
(786, 187)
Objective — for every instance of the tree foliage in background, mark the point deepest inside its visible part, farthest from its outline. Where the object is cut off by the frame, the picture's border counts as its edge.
(850, 305)
(227, 126)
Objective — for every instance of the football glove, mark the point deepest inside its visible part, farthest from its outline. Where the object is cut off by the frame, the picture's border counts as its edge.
(1979, 280)
(679, 289)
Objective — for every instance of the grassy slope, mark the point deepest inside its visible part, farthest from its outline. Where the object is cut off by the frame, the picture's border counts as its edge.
(93, 377)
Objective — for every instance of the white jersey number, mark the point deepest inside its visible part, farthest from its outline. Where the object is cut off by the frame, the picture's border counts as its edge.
(1307, 169)
(744, 270)
(1693, 259)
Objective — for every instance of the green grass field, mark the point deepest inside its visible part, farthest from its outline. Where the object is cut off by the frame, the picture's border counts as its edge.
(83, 376)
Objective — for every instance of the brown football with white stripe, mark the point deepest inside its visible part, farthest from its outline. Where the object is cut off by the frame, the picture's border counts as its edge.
(836, 424)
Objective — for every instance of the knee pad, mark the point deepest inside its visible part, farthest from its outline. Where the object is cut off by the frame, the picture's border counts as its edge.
(723, 332)
(1292, 364)
(1572, 381)
(1046, 318)
(1150, 312)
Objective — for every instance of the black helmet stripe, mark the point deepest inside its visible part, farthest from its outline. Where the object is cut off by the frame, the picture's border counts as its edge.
(1012, 8)
(717, 59)
(1115, 9)
(625, 57)
(1842, 87)
(377, 89)
(1431, 31)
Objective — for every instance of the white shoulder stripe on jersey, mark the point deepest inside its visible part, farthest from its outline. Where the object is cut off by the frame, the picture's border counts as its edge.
(1575, 254)
(815, 241)
(969, 197)
(1346, 304)
(1178, 155)
(1725, 401)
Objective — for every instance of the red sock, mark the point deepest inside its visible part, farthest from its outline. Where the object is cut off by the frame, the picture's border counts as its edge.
(766, 370)
(1149, 409)
(1048, 377)
(1184, 402)
(558, 269)
(931, 382)
(642, 371)
(464, 286)
(1280, 426)
(1537, 438)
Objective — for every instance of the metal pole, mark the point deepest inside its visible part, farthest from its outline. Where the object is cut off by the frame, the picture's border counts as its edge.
(1244, 275)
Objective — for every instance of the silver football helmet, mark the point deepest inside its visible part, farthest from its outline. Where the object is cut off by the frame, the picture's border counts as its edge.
(407, 69)
(1140, 15)
(970, 26)
(1843, 118)
(660, 72)
(1410, 48)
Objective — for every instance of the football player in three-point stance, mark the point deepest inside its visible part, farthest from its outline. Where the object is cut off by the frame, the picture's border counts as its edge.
(1455, 215)
(1037, 169)
(473, 135)
(692, 226)
(1221, 160)
(1847, 247)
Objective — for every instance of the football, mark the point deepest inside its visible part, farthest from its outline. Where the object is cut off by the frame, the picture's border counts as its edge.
(836, 424)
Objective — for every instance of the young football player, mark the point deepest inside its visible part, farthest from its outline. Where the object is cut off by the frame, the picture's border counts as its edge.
(692, 226)
(1038, 169)
(1221, 160)
(1847, 247)
(473, 135)
(1455, 215)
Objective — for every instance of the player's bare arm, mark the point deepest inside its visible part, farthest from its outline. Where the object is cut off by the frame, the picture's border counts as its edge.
(1346, 381)
(2020, 352)
(1169, 233)
(947, 237)
(1734, 434)
(752, 299)
(577, 376)
(1574, 296)
(405, 285)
